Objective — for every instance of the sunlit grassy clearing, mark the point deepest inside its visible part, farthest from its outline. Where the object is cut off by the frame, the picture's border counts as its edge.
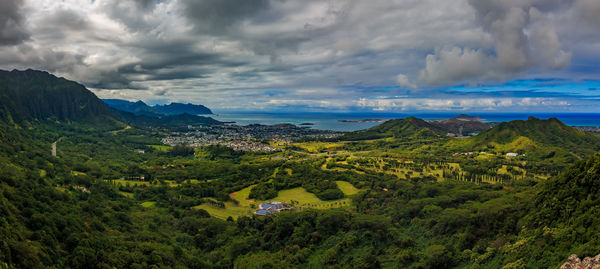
(126, 194)
(161, 147)
(124, 182)
(316, 147)
(148, 204)
(171, 183)
(299, 196)
(230, 210)
(347, 188)
(122, 130)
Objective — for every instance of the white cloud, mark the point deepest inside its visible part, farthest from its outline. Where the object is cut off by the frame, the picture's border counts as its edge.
(456, 65)
(403, 81)
(461, 104)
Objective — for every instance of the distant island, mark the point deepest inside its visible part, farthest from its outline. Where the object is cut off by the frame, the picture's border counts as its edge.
(364, 120)
(306, 124)
(464, 117)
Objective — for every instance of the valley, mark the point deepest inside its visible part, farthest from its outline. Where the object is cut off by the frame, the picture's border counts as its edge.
(138, 191)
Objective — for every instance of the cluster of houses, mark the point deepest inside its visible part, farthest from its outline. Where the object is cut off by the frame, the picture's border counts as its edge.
(270, 208)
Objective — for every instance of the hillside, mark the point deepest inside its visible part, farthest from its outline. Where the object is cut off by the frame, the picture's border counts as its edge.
(30, 94)
(141, 108)
(536, 136)
(465, 123)
(137, 108)
(563, 218)
(411, 128)
(581, 181)
(179, 108)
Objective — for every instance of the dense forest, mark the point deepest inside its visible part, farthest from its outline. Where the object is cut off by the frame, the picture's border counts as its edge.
(398, 196)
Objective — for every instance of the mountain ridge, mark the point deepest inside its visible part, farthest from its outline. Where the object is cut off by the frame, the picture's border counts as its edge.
(33, 95)
(141, 108)
(39, 95)
(410, 127)
(536, 138)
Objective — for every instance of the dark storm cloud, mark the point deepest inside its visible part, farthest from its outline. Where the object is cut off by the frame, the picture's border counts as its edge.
(178, 53)
(146, 4)
(588, 10)
(12, 30)
(113, 80)
(218, 16)
(63, 24)
(164, 61)
(227, 19)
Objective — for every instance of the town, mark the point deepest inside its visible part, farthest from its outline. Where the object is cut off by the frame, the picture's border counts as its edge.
(253, 137)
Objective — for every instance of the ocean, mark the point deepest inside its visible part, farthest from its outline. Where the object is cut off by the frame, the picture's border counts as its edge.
(331, 121)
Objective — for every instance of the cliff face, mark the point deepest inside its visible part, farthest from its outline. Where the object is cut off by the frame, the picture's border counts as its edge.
(31, 94)
(587, 263)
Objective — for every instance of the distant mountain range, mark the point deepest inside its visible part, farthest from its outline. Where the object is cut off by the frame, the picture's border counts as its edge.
(537, 138)
(141, 108)
(38, 95)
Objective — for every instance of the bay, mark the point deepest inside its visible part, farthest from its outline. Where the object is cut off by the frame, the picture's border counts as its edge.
(331, 121)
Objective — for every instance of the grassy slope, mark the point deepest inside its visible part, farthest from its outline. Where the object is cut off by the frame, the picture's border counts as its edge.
(303, 198)
(534, 132)
(399, 128)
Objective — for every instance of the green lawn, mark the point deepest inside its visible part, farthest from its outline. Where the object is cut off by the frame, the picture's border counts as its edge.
(126, 194)
(149, 204)
(161, 147)
(299, 196)
(124, 182)
(347, 188)
(316, 147)
(230, 210)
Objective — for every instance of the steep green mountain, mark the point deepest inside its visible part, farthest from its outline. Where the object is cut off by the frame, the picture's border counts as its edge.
(542, 138)
(141, 108)
(408, 128)
(179, 108)
(38, 95)
(137, 108)
(32, 95)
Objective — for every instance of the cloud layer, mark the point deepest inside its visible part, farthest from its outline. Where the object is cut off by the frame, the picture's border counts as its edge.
(313, 54)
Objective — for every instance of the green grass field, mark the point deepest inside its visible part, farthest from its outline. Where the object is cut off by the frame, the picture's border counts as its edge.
(164, 148)
(347, 188)
(297, 196)
(316, 147)
(230, 210)
(126, 194)
(124, 182)
(149, 204)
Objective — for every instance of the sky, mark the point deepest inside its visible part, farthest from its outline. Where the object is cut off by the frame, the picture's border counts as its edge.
(317, 55)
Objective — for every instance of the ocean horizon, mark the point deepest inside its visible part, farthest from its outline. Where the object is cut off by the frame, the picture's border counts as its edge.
(331, 120)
